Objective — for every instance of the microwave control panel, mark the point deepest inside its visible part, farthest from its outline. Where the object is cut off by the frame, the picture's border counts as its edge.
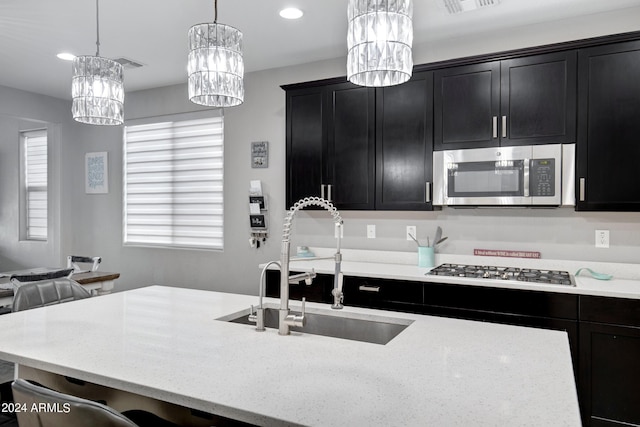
(542, 174)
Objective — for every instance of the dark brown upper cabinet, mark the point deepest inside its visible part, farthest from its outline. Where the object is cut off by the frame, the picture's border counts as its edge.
(351, 146)
(330, 132)
(306, 146)
(404, 144)
(519, 101)
(608, 147)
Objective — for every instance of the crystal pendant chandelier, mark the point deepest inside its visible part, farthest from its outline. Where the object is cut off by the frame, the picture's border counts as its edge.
(97, 88)
(379, 39)
(215, 65)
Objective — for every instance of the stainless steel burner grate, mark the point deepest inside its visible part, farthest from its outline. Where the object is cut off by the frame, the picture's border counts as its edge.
(553, 277)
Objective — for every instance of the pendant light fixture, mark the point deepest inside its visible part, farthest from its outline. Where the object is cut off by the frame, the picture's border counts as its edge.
(379, 39)
(215, 65)
(97, 87)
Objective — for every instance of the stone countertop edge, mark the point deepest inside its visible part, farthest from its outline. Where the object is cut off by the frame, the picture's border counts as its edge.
(167, 343)
(403, 266)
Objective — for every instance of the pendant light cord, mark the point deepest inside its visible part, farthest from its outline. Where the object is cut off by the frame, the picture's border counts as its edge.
(215, 8)
(97, 30)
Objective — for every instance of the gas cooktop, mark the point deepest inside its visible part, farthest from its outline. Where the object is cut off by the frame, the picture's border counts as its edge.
(553, 277)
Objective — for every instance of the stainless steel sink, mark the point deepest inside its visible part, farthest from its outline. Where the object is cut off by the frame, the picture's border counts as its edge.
(356, 327)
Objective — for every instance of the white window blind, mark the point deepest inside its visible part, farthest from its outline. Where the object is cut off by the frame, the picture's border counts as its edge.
(173, 183)
(35, 183)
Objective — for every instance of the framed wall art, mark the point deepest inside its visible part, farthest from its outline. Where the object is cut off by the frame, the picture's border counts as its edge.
(260, 154)
(96, 167)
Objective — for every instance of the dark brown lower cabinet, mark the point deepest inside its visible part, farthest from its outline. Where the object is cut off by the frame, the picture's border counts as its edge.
(610, 361)
(604, 332)
(318, 291)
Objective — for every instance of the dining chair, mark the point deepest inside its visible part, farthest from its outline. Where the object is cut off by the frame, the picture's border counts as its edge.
(73, 261)
(20, 279)
(65, 410)
(47, 292)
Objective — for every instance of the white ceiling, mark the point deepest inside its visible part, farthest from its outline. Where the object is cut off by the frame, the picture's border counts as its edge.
(154, 33)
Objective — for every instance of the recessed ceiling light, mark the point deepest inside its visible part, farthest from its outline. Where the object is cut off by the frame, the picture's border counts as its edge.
(291, 13)
(66, 56)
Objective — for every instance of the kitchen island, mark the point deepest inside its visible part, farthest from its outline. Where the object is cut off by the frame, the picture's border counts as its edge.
(166, 343)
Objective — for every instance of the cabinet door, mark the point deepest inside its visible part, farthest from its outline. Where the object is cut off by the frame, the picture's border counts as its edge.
(351, 146)
(608, 127)
(305, 143)
(609, 375)
(404, 144)
(538, 99)
(466, 106)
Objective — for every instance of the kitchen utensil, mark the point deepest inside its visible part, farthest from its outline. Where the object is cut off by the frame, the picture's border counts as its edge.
(437, 236)
(595, 275)
(414, 239)
(440, 241)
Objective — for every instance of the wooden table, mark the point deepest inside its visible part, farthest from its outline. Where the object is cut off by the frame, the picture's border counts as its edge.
(97, 282)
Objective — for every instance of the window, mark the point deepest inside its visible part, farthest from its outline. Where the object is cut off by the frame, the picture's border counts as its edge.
(34, 147)
(173, 182)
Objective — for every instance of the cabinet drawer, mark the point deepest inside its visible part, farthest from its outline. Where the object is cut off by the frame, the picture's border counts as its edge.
(616, 311)
(499, 300)
(383, 293)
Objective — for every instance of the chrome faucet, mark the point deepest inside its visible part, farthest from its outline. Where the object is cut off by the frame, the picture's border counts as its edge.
(286, 320)
(258, 317)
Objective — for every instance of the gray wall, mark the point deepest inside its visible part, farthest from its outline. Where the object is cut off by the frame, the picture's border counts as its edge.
(91, 224)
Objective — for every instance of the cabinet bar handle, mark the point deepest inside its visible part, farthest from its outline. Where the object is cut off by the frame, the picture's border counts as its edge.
(329, 188)
(366, 288)
(322, 191)
(427, 192)
(504, 126)
(495, 126)
(583, 183)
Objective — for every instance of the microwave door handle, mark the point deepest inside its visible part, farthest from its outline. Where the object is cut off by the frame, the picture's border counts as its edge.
(525, 178)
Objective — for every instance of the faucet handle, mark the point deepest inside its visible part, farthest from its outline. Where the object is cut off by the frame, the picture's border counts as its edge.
(257, 318)
(297, 320)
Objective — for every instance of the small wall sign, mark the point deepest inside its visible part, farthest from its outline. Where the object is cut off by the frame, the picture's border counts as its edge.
(260, 154)
(509, 254)
(257, 221)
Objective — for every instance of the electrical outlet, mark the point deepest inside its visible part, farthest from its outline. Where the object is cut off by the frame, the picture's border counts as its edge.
(602, 238)
(411, 230)
(371, 231)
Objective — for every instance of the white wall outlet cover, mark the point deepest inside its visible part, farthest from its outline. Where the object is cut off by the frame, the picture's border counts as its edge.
(602, 238)
(411, 231)
(371, 231)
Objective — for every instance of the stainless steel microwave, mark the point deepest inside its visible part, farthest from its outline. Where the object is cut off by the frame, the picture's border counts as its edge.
(535, 175)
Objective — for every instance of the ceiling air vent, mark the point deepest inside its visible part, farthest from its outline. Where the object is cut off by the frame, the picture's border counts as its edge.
(459, 6)
(129, 64)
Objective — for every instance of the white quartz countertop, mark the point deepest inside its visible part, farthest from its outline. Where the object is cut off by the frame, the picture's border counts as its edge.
(403, 266)
(166, 343)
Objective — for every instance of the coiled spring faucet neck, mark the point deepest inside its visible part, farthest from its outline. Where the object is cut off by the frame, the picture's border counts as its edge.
(303, 203)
